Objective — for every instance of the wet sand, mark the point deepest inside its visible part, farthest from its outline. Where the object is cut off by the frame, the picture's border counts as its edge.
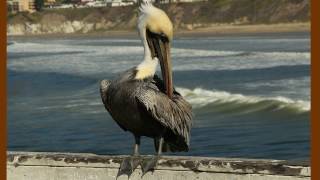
(228, 29)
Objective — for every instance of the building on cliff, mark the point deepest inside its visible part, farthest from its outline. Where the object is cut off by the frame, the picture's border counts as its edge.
(14, 6)
(176, 1)
(21, 5)
(131, 2)
(113, 3)
(49, 3)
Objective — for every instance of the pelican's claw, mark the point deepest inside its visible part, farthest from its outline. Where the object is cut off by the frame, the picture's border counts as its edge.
(128, 165)
(149, 164)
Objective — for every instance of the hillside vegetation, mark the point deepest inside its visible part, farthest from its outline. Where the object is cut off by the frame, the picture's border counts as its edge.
(184, 16)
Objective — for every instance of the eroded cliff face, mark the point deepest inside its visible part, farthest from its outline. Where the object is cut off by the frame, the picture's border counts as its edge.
(185, 16)
(54, 23)
(65, 27)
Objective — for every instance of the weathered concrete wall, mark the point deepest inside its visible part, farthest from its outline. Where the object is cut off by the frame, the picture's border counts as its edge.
(68, 166)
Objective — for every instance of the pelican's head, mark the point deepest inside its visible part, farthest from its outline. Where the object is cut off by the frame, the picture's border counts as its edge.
(156, 32)
(155, 20)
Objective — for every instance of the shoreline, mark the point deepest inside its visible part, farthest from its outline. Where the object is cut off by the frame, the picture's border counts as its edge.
(255, 29)
(212, 30)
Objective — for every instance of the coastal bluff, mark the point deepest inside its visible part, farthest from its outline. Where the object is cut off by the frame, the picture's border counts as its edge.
(185, 17)
(72, 166)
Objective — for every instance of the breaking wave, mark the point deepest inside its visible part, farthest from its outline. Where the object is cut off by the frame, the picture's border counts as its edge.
(89, 60)
(225, 101)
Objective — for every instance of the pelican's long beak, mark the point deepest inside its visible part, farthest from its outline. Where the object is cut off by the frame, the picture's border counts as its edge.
(166, 68)
(160, 48)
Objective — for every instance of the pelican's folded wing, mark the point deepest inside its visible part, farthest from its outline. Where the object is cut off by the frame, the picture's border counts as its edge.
(175, 113)
(104, 85)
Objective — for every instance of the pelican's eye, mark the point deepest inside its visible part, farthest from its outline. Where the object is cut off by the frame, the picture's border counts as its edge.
(163, 35)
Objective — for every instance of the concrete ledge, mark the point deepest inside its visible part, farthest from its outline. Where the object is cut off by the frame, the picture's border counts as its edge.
(70, 166)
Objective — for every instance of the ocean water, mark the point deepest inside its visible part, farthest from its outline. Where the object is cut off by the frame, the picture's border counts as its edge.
(250, 94)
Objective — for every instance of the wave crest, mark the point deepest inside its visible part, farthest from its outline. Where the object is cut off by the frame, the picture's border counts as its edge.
(201, 98)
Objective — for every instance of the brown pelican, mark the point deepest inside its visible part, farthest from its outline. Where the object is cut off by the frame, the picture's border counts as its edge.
(142, 103)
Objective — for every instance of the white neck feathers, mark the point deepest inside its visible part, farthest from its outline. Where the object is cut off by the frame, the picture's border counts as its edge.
(148, 66)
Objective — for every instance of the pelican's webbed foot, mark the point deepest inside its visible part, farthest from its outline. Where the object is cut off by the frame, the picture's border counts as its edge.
(128, 165)
(149, 164)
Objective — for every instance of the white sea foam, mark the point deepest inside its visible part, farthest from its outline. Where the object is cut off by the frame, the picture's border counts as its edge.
(91, 60)
(73, 105)
(179, 52)
(235, 60)
(86, 60)
(199, 97)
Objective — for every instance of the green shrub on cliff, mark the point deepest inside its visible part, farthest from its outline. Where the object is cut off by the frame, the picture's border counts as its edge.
(39, 4)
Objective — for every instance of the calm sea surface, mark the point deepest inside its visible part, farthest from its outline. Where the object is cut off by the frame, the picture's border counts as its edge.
(250, 94)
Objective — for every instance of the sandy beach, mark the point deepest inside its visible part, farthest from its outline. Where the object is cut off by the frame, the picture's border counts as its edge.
(212, 30)
(229, 29)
